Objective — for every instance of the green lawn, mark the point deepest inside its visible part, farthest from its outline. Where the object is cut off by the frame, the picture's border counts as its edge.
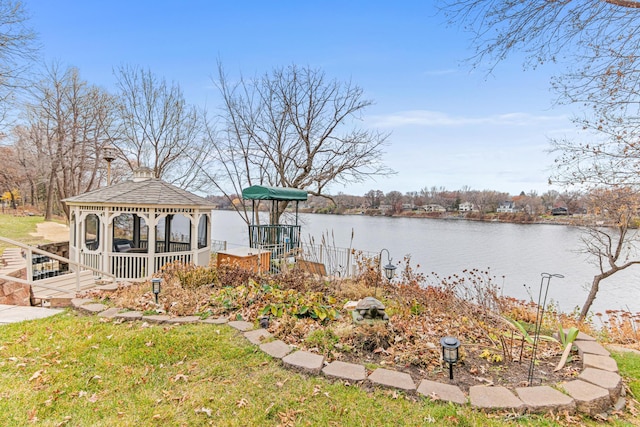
(82, 371)
(18, 228)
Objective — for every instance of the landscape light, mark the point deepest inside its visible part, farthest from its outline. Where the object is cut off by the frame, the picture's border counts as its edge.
(450, 354)
(389, 269)
(155, 287)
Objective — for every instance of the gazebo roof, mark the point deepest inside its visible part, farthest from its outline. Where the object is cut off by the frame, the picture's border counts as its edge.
(151, 191)
(263, 192)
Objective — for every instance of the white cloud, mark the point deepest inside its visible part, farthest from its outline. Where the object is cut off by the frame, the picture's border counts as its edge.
(430, 118)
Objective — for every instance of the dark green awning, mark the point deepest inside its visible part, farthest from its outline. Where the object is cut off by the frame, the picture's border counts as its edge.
(262, 192)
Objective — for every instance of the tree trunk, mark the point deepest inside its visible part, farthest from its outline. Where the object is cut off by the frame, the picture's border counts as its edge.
(48, 215)
(591, 297)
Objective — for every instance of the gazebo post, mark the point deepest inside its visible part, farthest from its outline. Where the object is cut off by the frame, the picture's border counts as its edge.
(107, 242)
(151, 241)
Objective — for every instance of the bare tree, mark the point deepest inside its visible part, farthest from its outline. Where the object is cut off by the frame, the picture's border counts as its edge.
(394, 199)
(159, 130)
(612, 240)
(11, 177)
(596, 40)
(17, 52)
(68, 122)
(294, 128)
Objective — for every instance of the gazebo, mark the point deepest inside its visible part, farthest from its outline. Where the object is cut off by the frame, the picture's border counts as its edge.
(281, 239)
(133, 228)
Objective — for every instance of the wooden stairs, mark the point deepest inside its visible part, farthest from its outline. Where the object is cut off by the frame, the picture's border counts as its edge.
(55, 291)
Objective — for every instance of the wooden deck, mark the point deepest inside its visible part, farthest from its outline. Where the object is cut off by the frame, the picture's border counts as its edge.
(65, 285)
(60, 288)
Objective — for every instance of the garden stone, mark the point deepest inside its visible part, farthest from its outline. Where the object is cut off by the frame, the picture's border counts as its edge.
(305, 361)
(494, 398)
(156, 318)
(590, 347)
(543, 399)
(440, 391)
(277, 349)
(216, 320)
(183, 319)
(129, 315)
(389, 378)
(241, 325)
(345, 371)
(605, 363)
(94, 308)
(257, 336)
(605, 379)
(590, 399)
(110, 312)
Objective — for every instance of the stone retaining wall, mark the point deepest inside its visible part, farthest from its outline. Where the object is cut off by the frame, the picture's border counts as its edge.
(12, 293)
(58, 248)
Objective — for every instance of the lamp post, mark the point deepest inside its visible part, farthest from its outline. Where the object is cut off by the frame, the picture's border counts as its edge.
(155, 287)
(450, 354)
(109, 155)
(389, 269)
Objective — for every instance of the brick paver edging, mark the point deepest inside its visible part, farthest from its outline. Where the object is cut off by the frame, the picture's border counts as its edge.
(597, 390)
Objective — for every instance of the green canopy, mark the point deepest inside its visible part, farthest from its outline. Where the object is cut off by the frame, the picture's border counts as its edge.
(262, 192)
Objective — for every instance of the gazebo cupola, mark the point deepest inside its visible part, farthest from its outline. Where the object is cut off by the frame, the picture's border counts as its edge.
(133, 228)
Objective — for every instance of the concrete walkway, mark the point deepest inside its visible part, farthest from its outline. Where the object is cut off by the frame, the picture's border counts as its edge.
(14, 313)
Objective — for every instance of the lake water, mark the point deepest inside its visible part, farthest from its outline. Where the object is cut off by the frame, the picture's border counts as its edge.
(516, 254)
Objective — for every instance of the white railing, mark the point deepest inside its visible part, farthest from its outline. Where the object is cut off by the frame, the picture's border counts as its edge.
(76, 267)
(342, 262)
(218, 245)
(162, 259)
(93, 260)
(129, 266)
(132, 266)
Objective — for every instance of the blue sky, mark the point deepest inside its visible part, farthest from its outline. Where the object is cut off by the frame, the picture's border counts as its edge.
(450, 126)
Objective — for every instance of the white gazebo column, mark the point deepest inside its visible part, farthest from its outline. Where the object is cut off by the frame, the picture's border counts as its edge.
(106, 244)
(151, 243)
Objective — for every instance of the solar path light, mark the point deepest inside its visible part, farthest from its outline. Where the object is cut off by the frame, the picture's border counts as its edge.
(155, 287)
(450, 353)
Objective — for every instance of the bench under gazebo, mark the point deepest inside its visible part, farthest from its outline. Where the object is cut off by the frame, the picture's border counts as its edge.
(133, 228)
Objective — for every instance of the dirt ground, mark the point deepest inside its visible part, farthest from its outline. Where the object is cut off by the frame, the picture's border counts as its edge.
(52, 231)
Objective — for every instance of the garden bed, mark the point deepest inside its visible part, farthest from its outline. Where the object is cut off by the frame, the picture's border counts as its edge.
(307, 311)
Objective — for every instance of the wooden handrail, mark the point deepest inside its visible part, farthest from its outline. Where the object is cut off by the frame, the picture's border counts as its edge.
(31, 249)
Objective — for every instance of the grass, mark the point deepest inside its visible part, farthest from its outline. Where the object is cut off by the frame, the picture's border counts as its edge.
(75, 370)
(18, 228)
(629, 366)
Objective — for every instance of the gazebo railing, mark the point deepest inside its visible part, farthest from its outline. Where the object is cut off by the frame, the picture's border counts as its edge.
(173, 246)
(264, 235)
(92, 259)
(135, 266)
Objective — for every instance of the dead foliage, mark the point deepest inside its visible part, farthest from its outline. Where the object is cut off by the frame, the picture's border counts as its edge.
(422, 310)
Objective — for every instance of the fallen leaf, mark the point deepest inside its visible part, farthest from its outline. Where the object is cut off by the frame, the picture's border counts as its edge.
(281, 383)
(36, 375)
(179, 377)
(204, 410)
(242, 403)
